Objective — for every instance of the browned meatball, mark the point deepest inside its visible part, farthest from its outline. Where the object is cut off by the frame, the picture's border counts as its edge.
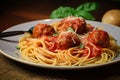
(42, 29)
(77, 24)
(67, 39)
(100, 38)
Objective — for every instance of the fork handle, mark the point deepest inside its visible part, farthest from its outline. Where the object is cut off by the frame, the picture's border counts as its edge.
(10, 33)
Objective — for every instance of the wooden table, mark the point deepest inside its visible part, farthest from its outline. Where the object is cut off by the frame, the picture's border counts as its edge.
(13, 12)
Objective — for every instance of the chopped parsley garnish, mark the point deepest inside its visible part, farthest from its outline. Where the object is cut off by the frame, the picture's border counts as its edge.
(70, 29)
(81, 46)
(17, 47)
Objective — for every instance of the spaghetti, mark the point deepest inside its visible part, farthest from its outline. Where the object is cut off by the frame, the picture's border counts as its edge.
(69, 42)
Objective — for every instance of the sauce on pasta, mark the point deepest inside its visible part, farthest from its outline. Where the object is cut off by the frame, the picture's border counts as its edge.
(68, 42)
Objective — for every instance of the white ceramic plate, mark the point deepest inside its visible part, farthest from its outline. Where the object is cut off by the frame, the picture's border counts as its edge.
(8, 44)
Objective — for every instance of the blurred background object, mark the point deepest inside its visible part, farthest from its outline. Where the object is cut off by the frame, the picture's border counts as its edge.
(112, 17)
(83, 10)
(18, 11)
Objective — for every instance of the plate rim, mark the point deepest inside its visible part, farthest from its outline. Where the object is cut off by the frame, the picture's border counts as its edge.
(51, 66)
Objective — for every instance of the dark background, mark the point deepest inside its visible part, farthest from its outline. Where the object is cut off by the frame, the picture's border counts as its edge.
(13, 12)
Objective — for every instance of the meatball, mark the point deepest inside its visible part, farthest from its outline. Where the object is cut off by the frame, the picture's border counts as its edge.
(42, 29)
(67, 39)
(100, 38)
(77, 24)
